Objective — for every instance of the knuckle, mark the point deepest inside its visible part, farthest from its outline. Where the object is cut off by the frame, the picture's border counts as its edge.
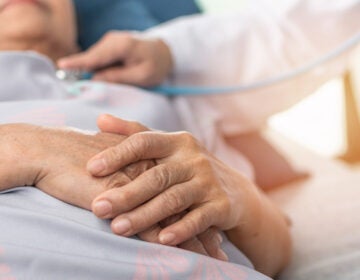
(173, 202)
(136, 169)
(199, 222)
(213, 232)
(135, 146)
(224, 207)
(192, 227)
(190, 141)
(203, 220)
(113, 154)
(210, 235)
(203, 162)
(162, 177)
(117, 180)
(141, 140)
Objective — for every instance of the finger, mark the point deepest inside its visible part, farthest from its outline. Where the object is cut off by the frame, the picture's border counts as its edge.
(111, 124)
(171, 202)
(151, 234)
(211, 240)
(151, 183)
(172, 219)
(194, 245)
(194, 223)
(136, 169)
(207, 243)
(140, 146)
(136, 74)
(113, 47)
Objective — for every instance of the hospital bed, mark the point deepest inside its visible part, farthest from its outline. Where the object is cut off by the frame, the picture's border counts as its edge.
(324, 213)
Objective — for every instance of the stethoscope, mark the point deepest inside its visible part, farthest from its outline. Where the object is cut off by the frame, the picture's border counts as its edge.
(167, 90)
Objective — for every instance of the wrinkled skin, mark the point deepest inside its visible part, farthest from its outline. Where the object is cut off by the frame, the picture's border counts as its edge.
(54, 160)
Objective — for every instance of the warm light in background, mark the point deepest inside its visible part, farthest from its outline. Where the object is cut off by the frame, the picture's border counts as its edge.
(317, 122)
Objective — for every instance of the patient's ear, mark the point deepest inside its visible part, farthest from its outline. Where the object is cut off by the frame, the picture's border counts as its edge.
(271, 168)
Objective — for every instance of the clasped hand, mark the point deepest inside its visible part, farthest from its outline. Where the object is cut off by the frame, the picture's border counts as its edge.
(54, 160)
(187, 182)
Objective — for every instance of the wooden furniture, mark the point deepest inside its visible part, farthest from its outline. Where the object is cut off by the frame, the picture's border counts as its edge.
(352, 154)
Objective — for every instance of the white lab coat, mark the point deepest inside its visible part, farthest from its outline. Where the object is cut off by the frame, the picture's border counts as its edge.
(248, 46)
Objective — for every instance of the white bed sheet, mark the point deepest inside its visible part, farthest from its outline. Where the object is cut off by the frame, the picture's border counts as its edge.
(324, 211)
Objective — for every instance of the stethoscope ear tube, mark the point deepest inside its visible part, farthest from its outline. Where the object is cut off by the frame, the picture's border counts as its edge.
(198, 90)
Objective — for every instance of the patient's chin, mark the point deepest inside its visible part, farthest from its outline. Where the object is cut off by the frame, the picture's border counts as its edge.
(41, 41)
(23, 34)
(24, 22)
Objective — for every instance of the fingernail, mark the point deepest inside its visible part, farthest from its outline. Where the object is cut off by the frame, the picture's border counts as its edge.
(222, 256)
(167, 238)
(96, 166)
(102, 208)
(122, 226)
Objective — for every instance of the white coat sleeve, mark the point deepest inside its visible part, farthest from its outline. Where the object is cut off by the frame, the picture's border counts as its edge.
(242, 48)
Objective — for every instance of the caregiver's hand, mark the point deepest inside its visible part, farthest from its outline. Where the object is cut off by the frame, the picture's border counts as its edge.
(186, 177)
(121, 57)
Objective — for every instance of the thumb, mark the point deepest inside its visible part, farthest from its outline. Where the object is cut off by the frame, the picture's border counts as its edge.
(111, 124)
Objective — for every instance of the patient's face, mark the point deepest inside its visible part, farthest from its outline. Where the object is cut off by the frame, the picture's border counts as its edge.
(47, 26)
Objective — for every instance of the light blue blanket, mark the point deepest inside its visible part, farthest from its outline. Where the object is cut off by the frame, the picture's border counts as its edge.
(44, 238)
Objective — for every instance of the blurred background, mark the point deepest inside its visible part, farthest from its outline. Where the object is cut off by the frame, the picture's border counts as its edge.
(327, 122)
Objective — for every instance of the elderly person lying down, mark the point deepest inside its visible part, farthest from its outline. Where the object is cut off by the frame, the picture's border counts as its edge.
(43, 237)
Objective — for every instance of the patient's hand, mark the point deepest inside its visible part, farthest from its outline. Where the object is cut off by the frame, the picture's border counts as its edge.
(121, 57)
(54, 160)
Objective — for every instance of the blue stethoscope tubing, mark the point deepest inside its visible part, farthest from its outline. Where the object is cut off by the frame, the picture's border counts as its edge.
(199, 90)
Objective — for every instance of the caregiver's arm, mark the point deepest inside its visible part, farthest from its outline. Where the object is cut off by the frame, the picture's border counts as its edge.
(188, 178)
